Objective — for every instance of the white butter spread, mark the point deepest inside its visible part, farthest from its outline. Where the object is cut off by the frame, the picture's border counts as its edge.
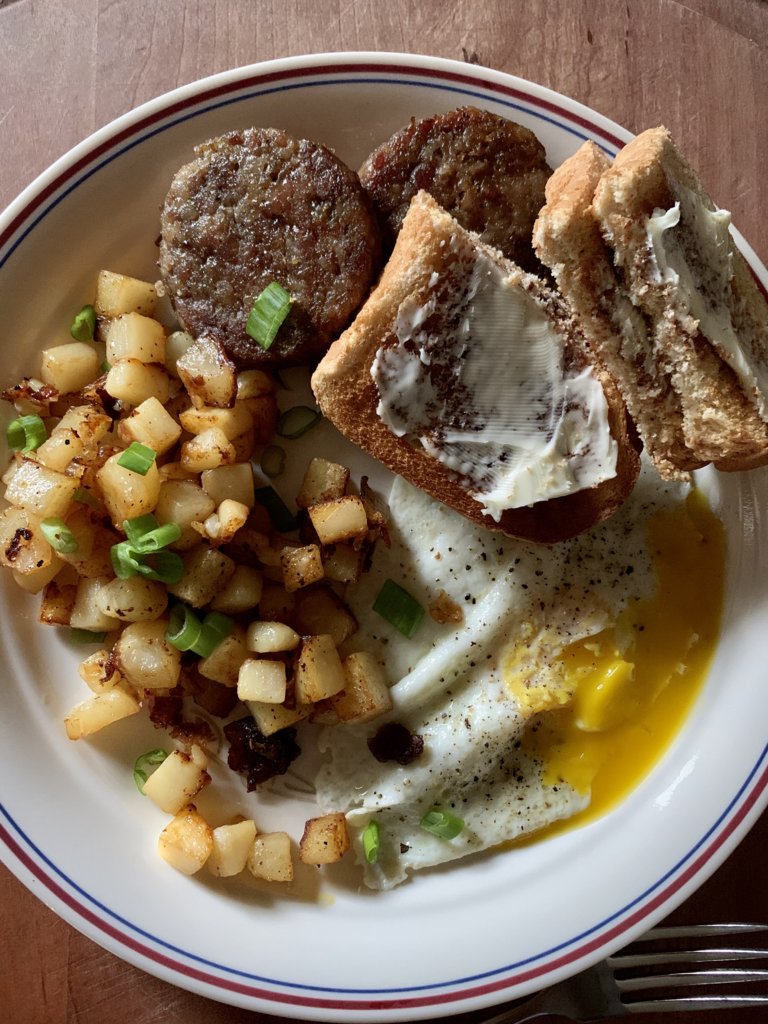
(705, 289)
(479, 379)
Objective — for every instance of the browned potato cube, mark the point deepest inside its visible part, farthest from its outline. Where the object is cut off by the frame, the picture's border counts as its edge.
(208, 374)
(57, 603)
(344, 563)
(339, 519)
(186, 842)
(321, 610)
(270, 857)
(325, 839)
(276, 604)
(274, 717)
(318, 670)
(206, 571)
(365, 693)
(301, 566)
(323, 481)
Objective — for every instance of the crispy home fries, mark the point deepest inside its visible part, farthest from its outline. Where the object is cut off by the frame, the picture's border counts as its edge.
(350, 503)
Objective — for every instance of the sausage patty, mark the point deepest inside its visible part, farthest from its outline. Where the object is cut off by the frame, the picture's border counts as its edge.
(257, 206)
(486, 171)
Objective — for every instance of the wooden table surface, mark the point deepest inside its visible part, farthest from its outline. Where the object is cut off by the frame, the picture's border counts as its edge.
(68, 67)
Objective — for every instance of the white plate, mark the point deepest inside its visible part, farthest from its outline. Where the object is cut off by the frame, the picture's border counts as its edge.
(71, 824)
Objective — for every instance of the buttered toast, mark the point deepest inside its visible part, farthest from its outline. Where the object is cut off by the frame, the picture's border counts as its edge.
(471, 379)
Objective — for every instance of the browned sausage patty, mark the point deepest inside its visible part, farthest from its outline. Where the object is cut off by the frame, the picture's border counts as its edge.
(257, 206)
(485, 170)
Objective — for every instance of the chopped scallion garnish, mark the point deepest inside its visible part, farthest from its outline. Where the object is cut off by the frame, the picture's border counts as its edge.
(85, 497)
(137, 458)
(268, 313)
(146, 536)
(26, 433)
(398, 607)
(273, 461)
(216, 627)
(281, 517)
(84, 324)
(297, 421)
(442, 824)
(106, 366)
(86, 636)
(164, 566)
(183, 628)
(59, 536)
(151, 758)
(371, 842)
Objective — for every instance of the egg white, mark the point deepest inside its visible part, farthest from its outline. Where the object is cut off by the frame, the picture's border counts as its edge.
(447, 681)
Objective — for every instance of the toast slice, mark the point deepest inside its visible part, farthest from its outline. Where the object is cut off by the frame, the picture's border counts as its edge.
(707, 316)
(428, 290)
(567, 239)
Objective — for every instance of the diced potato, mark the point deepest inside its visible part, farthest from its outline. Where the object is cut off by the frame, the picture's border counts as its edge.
(254, 384)
(323, 481)
(178, 779)
(118, 293)
(276, 604)
(134, 382)
(366, 693)
(126, 494)
(232, 845)
(272, 718)
(57, 603)
(86, 611)
(222, 525)
(23, 547)
(321, 610)
(243, 446)
(136, 599)
(264, 413)
(69, 367)
(270, 857)
(94, 540)
(241, 592)
(150, 424)
(99, 672)
(205, 572)
(186, 842)
(318, 669)
(133, 336)
(77, 434)
(325, 839)
(183, 502)
(339, 519)
(207, 450)
(208, 374)
(344, 563)
(99, 711)
(43, 492)
(144, 656)
(33, 581)
(233, 482)
(262, 680)
(31, 397)
(271, 638)
(301, 566)
(223, 665)
(231, 422)
(176, 344)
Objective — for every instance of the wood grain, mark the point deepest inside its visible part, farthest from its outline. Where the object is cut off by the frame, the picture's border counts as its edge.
(66, 69)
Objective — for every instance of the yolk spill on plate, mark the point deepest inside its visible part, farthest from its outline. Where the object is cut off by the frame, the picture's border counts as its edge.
(631, 686)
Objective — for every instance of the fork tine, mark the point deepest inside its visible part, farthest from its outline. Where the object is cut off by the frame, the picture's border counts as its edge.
(692, 931)
(689, 979)
(676, 1005)
(694, 956)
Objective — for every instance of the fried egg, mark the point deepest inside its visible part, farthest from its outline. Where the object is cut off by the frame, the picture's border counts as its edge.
(547, 634)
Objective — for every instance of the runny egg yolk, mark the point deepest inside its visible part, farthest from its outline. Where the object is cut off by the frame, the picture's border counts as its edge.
(633, 684)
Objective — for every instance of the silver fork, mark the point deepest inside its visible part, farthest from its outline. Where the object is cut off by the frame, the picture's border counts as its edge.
(620, 984)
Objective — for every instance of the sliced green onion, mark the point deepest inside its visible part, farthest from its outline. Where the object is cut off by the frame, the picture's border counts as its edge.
(398, 607)
(85, 497)
(297, 421)
(442, 824)
(268, 313)
(137, 458)
(273, 461)
(371, 842)
(281, 517)
(106, 366)
(164, 566)
(146, 536)
(86, 636)
(124, 561)
(84, 324)
(26, 433)
(184, 628)
(152, 757)
(216, 627)
(59, 536)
